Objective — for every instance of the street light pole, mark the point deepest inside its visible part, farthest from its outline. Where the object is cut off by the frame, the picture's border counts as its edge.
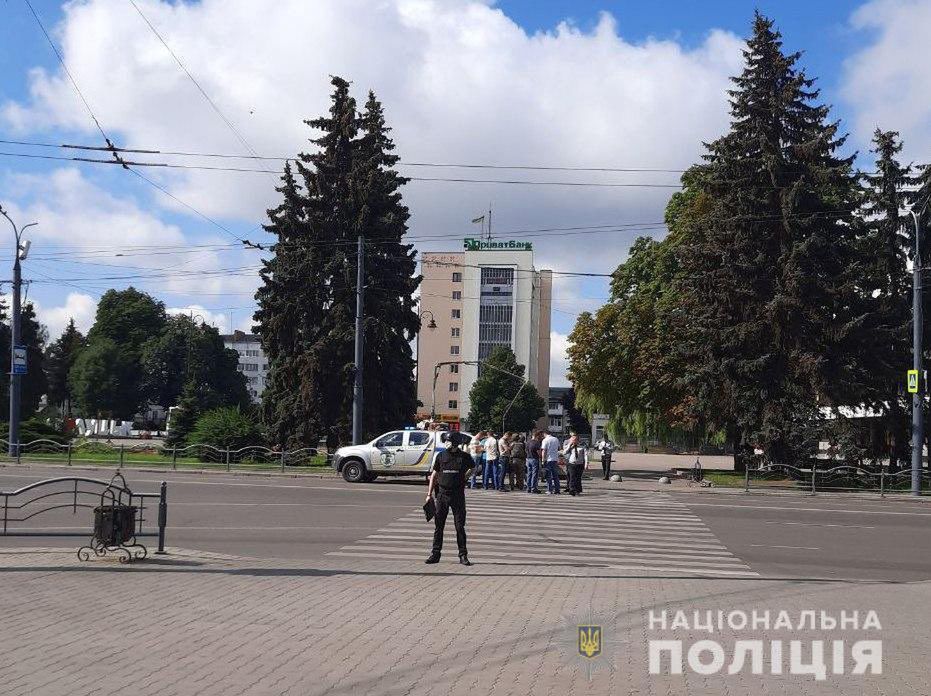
(917, 361)
(19, 253)
(431, 326)
(357, 379)
(436, 374)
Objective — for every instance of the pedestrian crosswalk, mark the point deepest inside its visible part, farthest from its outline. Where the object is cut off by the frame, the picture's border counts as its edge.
(639, 532)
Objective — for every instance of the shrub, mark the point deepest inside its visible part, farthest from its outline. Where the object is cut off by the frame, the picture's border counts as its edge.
(35, 429)
(227, 427)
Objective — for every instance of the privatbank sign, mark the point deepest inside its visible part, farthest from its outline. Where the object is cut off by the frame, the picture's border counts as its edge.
(489, 245)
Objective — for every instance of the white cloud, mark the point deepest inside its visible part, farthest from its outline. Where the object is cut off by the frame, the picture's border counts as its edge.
(218, 320)
(559, 361)
(78, 306)
(460, 82)
(94, 240)
(463, 83)
(887, 82)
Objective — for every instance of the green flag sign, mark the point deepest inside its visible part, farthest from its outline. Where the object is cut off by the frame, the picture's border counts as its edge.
(913, 381)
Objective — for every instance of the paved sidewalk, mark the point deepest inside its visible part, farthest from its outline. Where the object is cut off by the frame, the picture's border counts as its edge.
(193, 623)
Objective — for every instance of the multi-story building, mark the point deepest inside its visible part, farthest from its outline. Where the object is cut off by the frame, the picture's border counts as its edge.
(252, 361)
(486, 296)
(557, 419)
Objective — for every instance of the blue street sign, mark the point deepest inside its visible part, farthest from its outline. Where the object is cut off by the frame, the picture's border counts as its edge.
(19, 360)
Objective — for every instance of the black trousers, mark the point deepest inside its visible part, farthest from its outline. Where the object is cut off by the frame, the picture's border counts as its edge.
(446, 501)
(606, 465)
(574, 474)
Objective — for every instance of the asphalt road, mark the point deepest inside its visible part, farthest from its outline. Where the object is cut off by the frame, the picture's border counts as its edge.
(784, 536)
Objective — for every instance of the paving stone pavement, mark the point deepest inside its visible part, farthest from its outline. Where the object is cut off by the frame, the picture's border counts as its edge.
(197, 623)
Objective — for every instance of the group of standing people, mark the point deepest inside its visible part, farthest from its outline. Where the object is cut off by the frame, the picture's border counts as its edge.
(513, 455)
(523, 460)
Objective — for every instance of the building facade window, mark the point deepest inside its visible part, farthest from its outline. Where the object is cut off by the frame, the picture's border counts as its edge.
(457, 314)
(556, 421)
(453, 403)
(457, 294)
(250, 367)
(454, 369)
(454, 332)
(457, 277)
(454, 350)
(454, 386)
(496, 310)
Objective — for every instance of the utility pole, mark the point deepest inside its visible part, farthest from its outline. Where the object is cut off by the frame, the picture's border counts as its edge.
(17, 366)
(357, 381)
(918, 425)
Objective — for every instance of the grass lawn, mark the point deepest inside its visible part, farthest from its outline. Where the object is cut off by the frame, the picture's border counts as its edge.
(734, 479)
(154, 458)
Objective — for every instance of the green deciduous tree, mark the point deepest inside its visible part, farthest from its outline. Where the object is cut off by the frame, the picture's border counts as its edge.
(501, 382)
(104, 380)
(59, 359)
(190, 352)
(623, 359)
(126, 320)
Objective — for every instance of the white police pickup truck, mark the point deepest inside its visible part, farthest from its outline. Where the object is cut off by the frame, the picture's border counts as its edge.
(398, 453)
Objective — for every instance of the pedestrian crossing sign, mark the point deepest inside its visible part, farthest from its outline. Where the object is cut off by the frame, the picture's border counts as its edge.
(913, 381)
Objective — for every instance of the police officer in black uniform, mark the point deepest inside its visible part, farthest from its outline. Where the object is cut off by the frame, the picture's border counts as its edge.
(448, 479)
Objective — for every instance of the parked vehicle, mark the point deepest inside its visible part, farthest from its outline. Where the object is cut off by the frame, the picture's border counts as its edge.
(396, 453)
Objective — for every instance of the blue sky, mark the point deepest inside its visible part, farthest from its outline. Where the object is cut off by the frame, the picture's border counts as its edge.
(462, 81)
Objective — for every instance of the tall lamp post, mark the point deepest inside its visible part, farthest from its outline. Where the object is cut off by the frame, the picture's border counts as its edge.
(918, 425)
(431, 326)
(436, 373)
(18, 365)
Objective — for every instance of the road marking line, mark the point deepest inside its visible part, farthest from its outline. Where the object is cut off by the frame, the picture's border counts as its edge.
(832, 511)
(697, 535)
(581, 514)
(561, 544)
(775, 546)
(675, 571)
(814, 524)
(313, 505)
(726, 563)
(709, 544)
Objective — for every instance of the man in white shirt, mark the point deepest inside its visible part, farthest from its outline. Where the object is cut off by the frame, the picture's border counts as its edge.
(491, 461)
(477, 453)
(550, 452)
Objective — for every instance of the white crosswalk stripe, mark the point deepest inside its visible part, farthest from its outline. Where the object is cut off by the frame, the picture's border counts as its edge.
(631, 531)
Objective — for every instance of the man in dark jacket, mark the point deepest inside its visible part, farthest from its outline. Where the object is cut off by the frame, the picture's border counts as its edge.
(448, 479)
(518, 462)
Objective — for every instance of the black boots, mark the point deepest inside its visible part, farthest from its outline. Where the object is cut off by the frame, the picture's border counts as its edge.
(464, 560)
(434, 558)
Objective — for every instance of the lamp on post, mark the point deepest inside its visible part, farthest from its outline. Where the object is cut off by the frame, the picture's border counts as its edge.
(18, 364)
(431, 326)
(917, 357)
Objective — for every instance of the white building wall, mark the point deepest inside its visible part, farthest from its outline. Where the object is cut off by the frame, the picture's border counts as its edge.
(522, 333)
(252, 361)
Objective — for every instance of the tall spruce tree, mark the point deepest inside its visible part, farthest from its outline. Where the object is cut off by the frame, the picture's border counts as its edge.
(344, 189)
(60, 358)
(391, 321)
(769, 277)
(35, 382)
(885, 294)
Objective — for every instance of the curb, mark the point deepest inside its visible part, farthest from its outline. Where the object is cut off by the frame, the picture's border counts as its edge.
(160, 469)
